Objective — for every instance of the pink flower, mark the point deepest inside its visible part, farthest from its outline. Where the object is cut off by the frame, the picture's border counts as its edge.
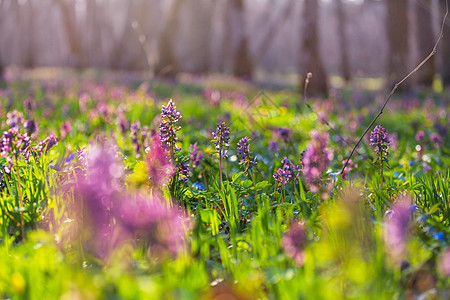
(293, 243)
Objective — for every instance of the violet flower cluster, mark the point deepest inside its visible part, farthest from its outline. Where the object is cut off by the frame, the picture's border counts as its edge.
(44, 146)
(134, 129)
(380, 141)
(167, 133)
(183, 171)
(30, 127)
(293, 243)
(158, 163)
(167, 129)
(109, 217)
(288, 172)
(244, 154)
(221, 139)
(14, 144)
(195, 156)
(316, 160)
(14, 118)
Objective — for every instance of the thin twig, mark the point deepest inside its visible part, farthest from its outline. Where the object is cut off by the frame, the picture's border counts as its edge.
(432, 53)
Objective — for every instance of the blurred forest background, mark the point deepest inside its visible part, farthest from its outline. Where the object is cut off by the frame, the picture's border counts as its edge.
(250, 39)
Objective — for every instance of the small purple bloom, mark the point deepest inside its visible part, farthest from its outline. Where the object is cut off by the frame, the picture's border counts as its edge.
(14, 118)
(273, 146)
(135, 128)
(379, 140)
(316, 160)
(44, 146)
(30, 127)
(397, 222)
(167, 128)
(221, 139)
(420, 136)
(195, 156)
(436, 140)
(158, 164)
(183, 172)
(66, 128)
(243, 149)
(29, 104)
(285, 174)
(161, 228)
(294, 241)
(284, 133)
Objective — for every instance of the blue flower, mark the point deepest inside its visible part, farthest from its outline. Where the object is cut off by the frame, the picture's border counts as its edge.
(199, 186)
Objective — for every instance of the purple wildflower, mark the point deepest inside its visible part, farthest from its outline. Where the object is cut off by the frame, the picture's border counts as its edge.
(244, 154)
(124, 125)
(150, 220)
(159, 167)
(293, 243)
(316, 160)
(66, 128)
(97, 194)
(47, 144)
(28, 104)
(135, 127)
(167, 128)
(243, 149)
(30, 127)
(379, 140)
(23, 145)
(287, 172)
(195, 156)
(398, 222)
(183, 171)
(221, 139)
(420, 136)
(7, 141)
(436, 140)
(273, 146)
(14, 118)
(284, 133)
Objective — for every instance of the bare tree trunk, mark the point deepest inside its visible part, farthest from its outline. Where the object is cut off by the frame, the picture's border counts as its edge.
(309, 56)
(426, 39)
(342, 38)
(271, 32)
(1, 24)
(68, 17)
(397, 33)
(167, 61)
(94, 47)
(30, 49)
(445, 71)
(117, 54)
(242, 63)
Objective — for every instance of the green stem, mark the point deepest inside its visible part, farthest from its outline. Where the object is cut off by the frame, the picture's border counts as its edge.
(254, 184)
(220, 170)
(381, 173)
(19, 192)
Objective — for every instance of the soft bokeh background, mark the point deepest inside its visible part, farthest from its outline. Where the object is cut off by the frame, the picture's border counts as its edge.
(262, 40)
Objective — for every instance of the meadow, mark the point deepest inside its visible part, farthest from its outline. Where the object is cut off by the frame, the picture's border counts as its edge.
(213, 188)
